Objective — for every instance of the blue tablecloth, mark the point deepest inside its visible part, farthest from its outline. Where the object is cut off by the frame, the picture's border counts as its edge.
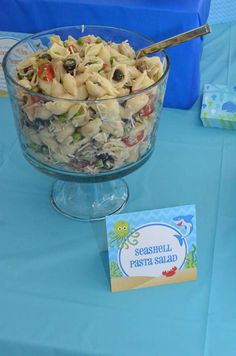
(55, 296)
(154, 19)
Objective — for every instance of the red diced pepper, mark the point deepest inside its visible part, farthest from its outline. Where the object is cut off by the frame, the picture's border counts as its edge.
(149, 108)
(38, 99)
(137, 139)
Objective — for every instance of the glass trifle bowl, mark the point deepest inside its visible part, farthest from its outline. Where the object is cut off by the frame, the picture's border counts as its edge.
(86, 108)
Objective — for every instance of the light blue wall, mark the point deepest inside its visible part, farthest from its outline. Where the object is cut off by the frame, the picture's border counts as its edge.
(222, 11)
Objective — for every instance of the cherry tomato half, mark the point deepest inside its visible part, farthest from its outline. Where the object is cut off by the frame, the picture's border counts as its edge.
(37, 99)
(147, 109)
(45, 72)
(137, 139)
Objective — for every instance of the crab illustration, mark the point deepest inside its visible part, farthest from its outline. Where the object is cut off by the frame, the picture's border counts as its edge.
(170, 273)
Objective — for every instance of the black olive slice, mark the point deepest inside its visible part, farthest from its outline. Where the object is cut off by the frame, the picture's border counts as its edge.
(118, 75)
(105, 157)
(69, 65)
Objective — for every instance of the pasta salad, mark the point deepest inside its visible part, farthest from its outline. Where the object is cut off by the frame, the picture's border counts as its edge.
(89, 119)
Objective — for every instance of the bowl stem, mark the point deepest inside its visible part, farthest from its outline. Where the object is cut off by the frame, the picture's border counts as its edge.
(89, 201)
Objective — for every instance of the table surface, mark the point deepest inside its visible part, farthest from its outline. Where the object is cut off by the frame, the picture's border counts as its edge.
(55, 296)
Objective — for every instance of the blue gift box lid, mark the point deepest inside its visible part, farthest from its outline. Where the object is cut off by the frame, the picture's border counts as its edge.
(154, 19)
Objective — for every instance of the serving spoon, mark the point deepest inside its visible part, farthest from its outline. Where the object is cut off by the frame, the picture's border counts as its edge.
(175, 40)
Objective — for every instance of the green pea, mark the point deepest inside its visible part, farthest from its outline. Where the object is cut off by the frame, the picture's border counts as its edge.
(80, 41)
(62, 118)
(76, 136)
(99, 164)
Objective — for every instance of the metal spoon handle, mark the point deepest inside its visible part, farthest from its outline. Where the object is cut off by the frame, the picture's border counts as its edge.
(172, 41)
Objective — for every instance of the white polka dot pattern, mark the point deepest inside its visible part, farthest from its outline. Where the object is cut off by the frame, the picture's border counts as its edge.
(222, 11)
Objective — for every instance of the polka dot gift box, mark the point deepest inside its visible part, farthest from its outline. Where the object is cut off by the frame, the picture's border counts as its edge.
(219, 106)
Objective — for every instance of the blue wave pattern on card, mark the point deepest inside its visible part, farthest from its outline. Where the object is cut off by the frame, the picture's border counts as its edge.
(219, 106)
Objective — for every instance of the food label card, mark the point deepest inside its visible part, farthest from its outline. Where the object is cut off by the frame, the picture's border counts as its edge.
(151, 248)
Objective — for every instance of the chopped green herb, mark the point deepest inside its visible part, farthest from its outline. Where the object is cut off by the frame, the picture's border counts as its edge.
(98, 40)
(34, 147)
(80, 41)
(35, 90)
(76, 136)
(81, 111)
(62, 118)
(126, 131)
(99, 164)
(112, 60)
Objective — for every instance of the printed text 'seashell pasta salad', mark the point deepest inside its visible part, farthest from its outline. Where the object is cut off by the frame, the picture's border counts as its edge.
(88, 134)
